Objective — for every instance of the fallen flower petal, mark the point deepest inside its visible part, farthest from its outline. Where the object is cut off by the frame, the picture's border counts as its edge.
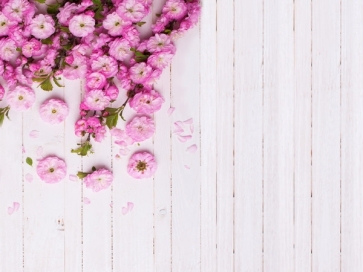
(73, 178)
(29, 177)
(192, 148)
(171, 110)
(34, 134)
(188, 122)
(86, 200)
(130, 206)
(185, 138)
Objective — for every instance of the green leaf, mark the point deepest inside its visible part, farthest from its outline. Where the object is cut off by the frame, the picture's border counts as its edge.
(29, 161)
(38, 79)
(53, 9)
(93, 168)
(98, 14)
(47, 41)
(2, 117)
(41, 1)
(111, 110)
(18, 49)
(46, 85)
(97, 2)
(64, 29)
(57, 82)
(140, 23)
(83, 149)
(111, 120)
(82, 175)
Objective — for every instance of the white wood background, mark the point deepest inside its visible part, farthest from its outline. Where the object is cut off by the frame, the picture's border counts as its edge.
(275, 89)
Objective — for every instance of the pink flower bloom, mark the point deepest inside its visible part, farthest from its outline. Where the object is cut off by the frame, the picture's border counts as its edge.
(81, 25)
(54, 111)
(115, 24)
(120, 49)
(131, 34)
(21, 98)
(132, 10)
(31, 47)
(105, 65)
(66, 12)
(99, 180)
(122, 138)
(175, 9)
(5, 24)
(140, 128)
(140, 72)
(141, 165)
(160, 60)
(96, 81)
(42, 26)
(96, 100)
(112, 92)
(15, 9)
(52, 169)
(147, 102)
(77, 68)
(2, 92)
(160, 42)
(8, 50)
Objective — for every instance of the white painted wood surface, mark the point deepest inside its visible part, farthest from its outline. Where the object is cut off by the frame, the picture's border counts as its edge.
(275, 90)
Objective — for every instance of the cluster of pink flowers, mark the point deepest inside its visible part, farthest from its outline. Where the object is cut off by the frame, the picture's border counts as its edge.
(97, 40)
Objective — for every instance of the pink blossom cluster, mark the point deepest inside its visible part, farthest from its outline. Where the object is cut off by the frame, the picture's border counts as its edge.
(98, 41)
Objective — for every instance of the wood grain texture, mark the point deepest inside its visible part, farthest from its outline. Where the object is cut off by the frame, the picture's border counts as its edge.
(351, 136)
(248, 142)
(278, 131)
(326, 136)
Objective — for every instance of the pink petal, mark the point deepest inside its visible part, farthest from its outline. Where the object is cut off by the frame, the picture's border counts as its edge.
(34, 134)
(125, 210)
(188, 122)
(23, 149)
(73, 178)
(187, 167)
(171, 110)
(29, 177)
(124, 151)
(130, 206)
(40, 152)
(178, 131)
(191, 128)
(183, 139)
(16, 206)
(10, 210)
(178, 124)
(192, 148)
(111, 204)
(86, 200)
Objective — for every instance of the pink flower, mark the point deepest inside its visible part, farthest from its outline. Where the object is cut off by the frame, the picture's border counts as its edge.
(42, 26)
(105, 65)
(120, 49)
(2, 92)
(112, 92)
(140, 72)
(96, 81)
(159, 43)
(132, 10)
(99, 180)
(115, 24)
(31, 47)
(81, 25)
(141, 165)
(66, 12)
(122, 138)
(15, 9)
(147, 102)
(77, 67)
(96, 100)
(140, 128)
(21, 98)
(160, 60)
(175, 9)
(5, 24)
(52, 169)
(8, 50)
(131, 34)
(53, 111)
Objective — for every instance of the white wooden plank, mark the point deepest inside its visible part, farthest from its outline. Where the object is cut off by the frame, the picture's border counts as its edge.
(11, 190)
(133, 233)
(326, 136)
(186, 182)
(97, 228)
(162, 179)
(43, 203)
(278, 135)
(72, 189)
(208, 136)
(302, 136)
(225, 136)
(351, 137)
(248, 35)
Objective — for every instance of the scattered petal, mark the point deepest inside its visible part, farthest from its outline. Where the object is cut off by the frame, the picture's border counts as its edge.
(34, 134)
(178, 124)
(191, 128)
(192, 148)
(29, 177)
(171, 110)
(124, 151)
(178, 131)
(10, 210)
(130, 206)
(86, 200)
(183, 139)
(188, 122)
(111, 204)
(23, 149)
(187, 167)
(73, 178)
(125, 210)
(16, 206)
(40, 153)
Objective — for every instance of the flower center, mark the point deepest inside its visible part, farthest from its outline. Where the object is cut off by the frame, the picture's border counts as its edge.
(81, 25)
(51, 170)
(54, 111)
(141, 166)
(41, 26)
(20, 97)
(3, 23)
(117, 23)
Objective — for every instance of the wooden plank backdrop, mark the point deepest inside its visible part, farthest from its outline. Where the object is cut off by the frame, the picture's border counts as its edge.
(275, 90)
